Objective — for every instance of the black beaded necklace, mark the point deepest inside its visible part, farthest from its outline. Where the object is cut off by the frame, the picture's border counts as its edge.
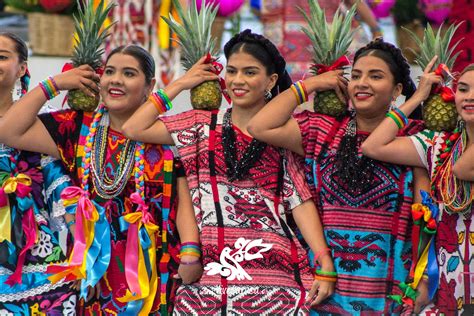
(355, 171)
(238, 169)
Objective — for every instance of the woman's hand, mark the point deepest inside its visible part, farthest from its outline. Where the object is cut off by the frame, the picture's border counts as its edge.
(81, 78)
(197, 74)
(320, 290)
(423, 298)
(427, 80)
(189, 273)
(331, 80)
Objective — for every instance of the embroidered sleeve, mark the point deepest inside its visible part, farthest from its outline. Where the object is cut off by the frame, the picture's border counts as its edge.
(55, 181)
(64, 127)
(296, 190)
(308, 131)
(426, 143)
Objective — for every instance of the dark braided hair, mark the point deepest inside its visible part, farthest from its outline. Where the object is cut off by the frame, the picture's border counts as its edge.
(22, 51)
(145, 60)
(265, 52)
(354, 170)
(393, 57)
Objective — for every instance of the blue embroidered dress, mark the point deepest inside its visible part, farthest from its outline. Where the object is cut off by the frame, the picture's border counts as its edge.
(38, 183)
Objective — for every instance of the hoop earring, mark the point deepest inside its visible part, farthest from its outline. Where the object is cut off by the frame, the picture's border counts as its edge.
(268, 95)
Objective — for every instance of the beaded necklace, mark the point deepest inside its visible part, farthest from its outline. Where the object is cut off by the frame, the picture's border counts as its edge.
(457, 195)
(105, 187)
(238, 169)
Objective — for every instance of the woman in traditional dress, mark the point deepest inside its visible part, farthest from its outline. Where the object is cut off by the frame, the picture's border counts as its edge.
(124, 189)
(31, 210)
(243, 192)
(365, 204)
(442, 154)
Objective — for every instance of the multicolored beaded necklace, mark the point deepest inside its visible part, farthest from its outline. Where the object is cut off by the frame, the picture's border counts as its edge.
(457, 195)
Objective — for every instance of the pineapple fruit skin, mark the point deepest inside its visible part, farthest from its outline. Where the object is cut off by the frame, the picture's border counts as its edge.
(327, 103)
(439, 115)
(206, 96)
(79, 101)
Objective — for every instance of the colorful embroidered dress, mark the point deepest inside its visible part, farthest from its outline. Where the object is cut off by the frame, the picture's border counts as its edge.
(454, 241)
(21, 171)
(253, 263)
(368, 231)
(69, 129)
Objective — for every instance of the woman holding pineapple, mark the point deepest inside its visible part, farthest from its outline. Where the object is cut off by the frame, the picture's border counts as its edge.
(243, 191)
(31, 211)
(124, 189)
(448, 158)
(365, 204)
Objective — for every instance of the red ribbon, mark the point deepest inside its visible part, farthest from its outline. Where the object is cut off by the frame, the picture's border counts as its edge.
(3, 198)
(28, 225)
(217, 70)
(446, 93)
(338, 64)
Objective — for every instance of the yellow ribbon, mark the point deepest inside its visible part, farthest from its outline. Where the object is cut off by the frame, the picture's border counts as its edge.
(421, 266)
(5, 223)
(11, 184)
(163, 28)
(148, 286)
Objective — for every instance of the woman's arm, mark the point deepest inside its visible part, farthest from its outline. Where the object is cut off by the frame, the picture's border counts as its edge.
(464, 167)
(382, 144)
(188, 232)
(274, 124)
(143, 124)
(20, 127)
(366, 16)
(307, 219)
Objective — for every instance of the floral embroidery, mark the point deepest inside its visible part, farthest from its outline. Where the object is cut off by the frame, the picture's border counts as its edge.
(44, 247)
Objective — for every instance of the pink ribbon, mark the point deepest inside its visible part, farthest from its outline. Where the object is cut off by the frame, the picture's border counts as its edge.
(218, 69)
(338, 64)
(22, 190)
(3, 198)
(85, 210)
(28, 224)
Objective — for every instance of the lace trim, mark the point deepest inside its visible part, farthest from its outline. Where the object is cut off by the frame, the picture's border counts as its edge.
(9, 298)
(56, 183)
(46, 160)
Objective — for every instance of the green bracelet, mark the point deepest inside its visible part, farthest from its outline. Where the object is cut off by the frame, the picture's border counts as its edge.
(326, 273)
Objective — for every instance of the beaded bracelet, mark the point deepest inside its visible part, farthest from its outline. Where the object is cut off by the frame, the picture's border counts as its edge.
(300, 92)
(49, 87)
(69, 224)
(398, 117)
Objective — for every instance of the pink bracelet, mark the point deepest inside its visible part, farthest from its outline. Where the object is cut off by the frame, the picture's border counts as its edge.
(320, 253)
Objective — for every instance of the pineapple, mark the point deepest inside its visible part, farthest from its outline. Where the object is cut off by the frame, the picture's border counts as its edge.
(194, 36)
(89, 38)
(329, 44)
(438, 114)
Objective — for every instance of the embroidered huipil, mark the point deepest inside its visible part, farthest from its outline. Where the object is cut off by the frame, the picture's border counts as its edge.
(254, 264)
(369, 231)
(454, 240)
(69, 129)
(22, 172)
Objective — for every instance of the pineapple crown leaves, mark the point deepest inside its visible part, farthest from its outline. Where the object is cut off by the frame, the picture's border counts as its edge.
(436, 44)
(90, 35)
(194, 31)
(329, 42)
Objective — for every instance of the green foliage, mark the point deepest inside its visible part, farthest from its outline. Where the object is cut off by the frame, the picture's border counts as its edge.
(194, 31)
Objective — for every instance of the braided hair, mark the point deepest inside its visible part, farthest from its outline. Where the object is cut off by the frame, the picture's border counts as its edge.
(22, 51)
(265, 52)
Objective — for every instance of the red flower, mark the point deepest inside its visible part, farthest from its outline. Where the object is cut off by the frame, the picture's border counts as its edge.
(446, 301)
(447, 236)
